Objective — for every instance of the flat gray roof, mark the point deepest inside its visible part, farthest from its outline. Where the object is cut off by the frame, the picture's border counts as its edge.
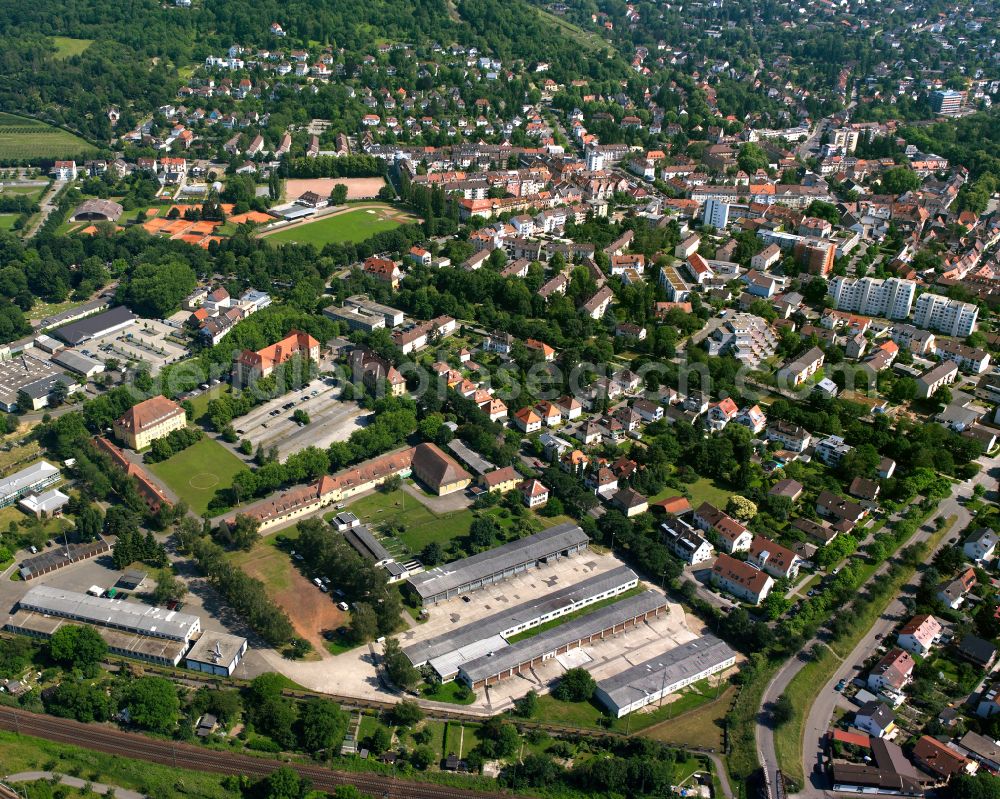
(680, 663)
(205, 648)
(132, 616)
(550, 640)
(21, 371)
(126, 643)
(92, 326)
(511, 618)
(26, 478)
(76, 362)
(453, 576)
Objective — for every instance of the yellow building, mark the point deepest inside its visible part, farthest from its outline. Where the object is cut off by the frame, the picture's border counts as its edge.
(154, 418)
(439, 472)
(501, 480)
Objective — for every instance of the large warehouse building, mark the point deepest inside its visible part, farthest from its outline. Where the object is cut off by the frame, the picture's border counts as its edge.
(446, 653)
(130, 629)
(478, 571)
(661, 676)
(525, 655)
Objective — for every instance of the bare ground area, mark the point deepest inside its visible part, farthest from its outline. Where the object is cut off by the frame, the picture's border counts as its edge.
(309, 609)
(357, 188)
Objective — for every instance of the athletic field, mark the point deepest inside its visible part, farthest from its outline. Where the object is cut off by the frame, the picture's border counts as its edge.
(353, 225)
(196, 473)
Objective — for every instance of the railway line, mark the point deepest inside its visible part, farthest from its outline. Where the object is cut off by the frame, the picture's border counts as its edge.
(181, 755)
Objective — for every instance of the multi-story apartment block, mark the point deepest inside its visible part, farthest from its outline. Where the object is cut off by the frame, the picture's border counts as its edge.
(891, 297)
(746, 337)
(952, 317)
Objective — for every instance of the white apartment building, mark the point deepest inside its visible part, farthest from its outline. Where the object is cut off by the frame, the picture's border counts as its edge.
(951, 317)
(872, 296)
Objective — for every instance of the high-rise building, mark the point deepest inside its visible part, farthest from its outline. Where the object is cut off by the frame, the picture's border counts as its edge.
(952, 317)
(947, 102)
(716, 214)
(595, 159)
(891, 297)
(816, 255)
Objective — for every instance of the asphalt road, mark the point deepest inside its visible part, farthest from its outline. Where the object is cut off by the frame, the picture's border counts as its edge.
(818, 720)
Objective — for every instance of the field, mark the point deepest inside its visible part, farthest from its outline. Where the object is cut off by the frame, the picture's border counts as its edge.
(22, 753)
(7, 221)
(309, 609)
(357, 188)
(67, 47)
(701, 490)
(354, 225)
(23, 139)
(701, 727)
(196, 473)
(420, 525)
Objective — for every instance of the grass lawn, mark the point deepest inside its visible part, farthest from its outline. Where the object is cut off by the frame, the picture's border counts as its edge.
(461, 738)
(705, 490)
(701, 727)
(21, 456)
(23, 753)
(420, 524)
(67, 47)
(200, 402)
(591, 714)
(271, 566)
(575, 614)
(352, 226)
(7, 221)
(196, 473)
(450, 692)
(26, 139)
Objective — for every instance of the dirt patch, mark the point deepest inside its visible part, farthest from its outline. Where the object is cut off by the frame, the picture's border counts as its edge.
(357, 188)
(309, 609)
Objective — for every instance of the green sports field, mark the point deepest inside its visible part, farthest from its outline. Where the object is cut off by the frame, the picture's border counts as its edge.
(352, 226)
(24, 139)
(196, 473)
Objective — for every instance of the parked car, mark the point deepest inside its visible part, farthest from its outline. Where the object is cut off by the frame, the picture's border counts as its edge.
(840, 686)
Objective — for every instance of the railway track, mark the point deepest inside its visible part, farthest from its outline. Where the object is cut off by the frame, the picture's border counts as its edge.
(181, 755)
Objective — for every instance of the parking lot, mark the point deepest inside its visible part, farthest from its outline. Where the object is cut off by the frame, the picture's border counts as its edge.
(146, 341)
(330, 419)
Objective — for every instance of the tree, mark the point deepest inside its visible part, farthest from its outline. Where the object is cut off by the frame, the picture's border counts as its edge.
(421, 757)
(379, 740)
(364, 623)
(576, 685)
(245, 532)
(406, 714)
(398, 666)
(323, 724)
(168, 588)
(782, 711)
(339, 194)
(283, 783)
(900, 180)
(156, 290)
(300, 417)
(432, 554)
(981, 786)
(77, 647)
(942, 396)
(741, 508)
(483, 532)
(78, 700)
(527, 705)
(153, 704)
(752, 157)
